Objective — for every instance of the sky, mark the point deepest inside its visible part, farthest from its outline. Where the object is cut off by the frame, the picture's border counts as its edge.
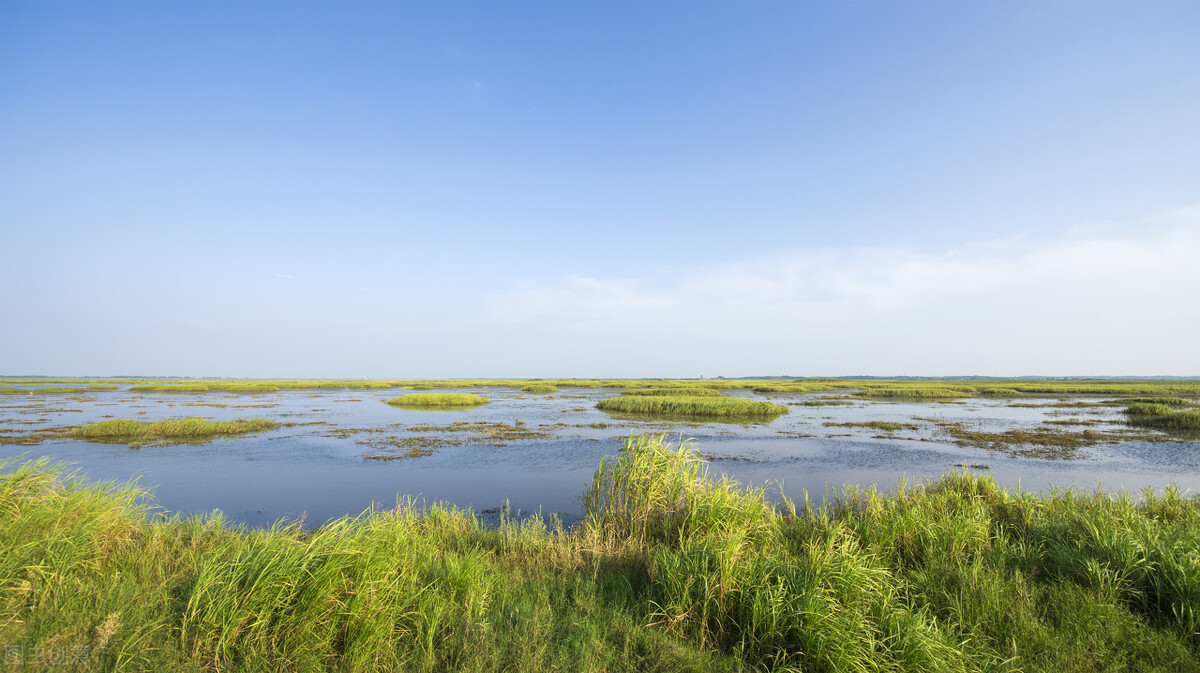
(599, 188)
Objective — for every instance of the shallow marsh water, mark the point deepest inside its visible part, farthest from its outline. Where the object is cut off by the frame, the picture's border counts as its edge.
(343, 451)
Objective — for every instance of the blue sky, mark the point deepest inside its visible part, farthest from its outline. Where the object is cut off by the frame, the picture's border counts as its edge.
(601, 188)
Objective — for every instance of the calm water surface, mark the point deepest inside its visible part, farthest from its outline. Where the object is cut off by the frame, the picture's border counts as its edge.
(314, 467)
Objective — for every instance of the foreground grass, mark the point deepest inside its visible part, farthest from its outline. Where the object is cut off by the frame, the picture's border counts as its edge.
(437, 400)
(723, 408)
(669, 571)
(175, 430)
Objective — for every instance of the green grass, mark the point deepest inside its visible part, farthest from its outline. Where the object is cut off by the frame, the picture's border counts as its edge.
(175, 430)
(1163, 415)
(671, 570)
(916, 392)
(676, 391)
(911, 389)
(539, 388)
(48, 390)
(722, 408)
(787, 389)
(437, 400)
(1168, 401)
(171, 388)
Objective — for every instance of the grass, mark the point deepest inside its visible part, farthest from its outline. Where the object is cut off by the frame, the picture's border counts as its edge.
(723, 408)
(1163, 415)
(915, 392)
(886, 426)
(910, 389)
(539, 388)
(437, 400)
(487, 432)
(671, 570)
(786, 389)
(676, 391)
(46, 390)
(175, 430)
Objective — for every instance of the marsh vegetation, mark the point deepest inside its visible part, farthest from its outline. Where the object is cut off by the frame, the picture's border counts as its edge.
(438, 400)
(176, 430)
(670, 570)
(726, 408)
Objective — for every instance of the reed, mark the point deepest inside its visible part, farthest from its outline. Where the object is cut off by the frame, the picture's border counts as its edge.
(539, 388)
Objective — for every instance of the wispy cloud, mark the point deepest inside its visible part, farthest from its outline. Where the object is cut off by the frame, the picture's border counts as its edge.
(285, 276)
(1104, 298)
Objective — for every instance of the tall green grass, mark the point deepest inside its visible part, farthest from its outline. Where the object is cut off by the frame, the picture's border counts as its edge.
(436, 400)
(670, 570)
(724, 408)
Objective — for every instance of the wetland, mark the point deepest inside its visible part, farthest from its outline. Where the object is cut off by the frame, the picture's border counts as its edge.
(319, 450)
(319, 526)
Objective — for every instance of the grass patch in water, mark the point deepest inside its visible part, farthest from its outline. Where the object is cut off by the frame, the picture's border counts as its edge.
(670, 570)
(175, 430)
(395, 447)
(437, 400)
(886, 426)
(724, 408)
(539, 388)
(1163, 415)
(678, 391)
(793, 389)
(36, 436)
(914, 393)
(1041, 442)
(488, 432)
(822, 403)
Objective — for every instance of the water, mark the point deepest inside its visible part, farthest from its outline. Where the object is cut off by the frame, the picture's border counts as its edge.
(314, 467)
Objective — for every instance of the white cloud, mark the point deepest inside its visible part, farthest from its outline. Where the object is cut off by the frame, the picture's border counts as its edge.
(1103, 298)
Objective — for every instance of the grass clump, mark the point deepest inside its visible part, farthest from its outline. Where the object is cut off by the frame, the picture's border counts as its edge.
(722, 408)
(539, 388)
(1163, 416)
(170, 388)
(437, 400)
(923, 392)
(176, 430)
(670, 570)
(886, 426)
(679, 391)
(1168, 401)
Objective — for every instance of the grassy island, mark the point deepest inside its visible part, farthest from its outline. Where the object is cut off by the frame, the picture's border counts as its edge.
(437, 400)
(721, 408)
(679, 391)
(175, 430)
(1164, 413)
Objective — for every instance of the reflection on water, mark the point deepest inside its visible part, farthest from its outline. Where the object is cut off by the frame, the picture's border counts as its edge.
(536, 452)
